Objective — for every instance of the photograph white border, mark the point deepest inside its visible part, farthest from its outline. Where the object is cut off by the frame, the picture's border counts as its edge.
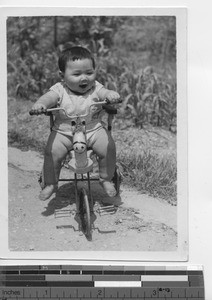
(110, 256)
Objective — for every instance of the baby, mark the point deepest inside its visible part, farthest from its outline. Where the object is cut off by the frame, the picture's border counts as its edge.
(75, 93)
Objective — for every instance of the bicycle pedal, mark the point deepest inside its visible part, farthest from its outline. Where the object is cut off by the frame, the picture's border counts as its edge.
(60, 213)
(107, 210)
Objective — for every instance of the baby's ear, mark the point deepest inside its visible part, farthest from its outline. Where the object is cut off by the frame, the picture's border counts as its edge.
(61, 74)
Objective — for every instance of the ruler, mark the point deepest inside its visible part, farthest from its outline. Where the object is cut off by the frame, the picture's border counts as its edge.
(88, 282)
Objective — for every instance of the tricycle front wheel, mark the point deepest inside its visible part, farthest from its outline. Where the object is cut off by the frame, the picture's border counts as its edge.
(84, 213)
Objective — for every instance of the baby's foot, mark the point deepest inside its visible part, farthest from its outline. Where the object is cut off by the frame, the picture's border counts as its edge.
(47, 192)
(108, 187)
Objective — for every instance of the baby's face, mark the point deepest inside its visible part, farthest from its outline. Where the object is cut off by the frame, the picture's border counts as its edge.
(80, 75)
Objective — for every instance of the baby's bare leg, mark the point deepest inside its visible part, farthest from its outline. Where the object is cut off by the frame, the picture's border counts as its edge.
(104, 147)
(56, 150)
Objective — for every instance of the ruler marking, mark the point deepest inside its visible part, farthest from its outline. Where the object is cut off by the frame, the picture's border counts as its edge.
(54, 287)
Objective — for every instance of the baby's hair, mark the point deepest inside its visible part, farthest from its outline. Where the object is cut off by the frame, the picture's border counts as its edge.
(74, 53)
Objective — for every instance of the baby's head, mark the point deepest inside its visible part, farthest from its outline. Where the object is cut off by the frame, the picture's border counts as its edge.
(72, 54)
(77, 68)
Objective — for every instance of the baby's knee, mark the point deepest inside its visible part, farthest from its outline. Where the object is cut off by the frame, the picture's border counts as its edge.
(104, 151)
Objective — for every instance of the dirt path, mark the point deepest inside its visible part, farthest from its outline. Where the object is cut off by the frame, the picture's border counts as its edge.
(141, 223)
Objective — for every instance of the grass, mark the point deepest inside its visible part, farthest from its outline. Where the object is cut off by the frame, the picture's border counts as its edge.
(151, 172)
(148, 160)
(147, 157)
(24, 131)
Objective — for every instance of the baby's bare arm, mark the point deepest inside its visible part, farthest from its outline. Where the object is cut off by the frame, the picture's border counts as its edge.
(112, 96)
(48, 100)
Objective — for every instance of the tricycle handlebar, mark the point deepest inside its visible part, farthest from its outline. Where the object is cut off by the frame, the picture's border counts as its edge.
(49, 110)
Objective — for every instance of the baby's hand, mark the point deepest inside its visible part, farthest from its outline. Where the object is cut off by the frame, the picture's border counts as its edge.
(113, 96)
(38, 108)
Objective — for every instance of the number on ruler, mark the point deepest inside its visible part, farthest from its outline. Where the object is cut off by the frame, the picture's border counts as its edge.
(97, 292)
(43, 293)
(150, 292)
(154, 292)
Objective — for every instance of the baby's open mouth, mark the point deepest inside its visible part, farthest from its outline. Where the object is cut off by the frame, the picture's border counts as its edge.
(83, 85)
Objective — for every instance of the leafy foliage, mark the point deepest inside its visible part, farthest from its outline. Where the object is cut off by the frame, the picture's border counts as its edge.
(148, 98)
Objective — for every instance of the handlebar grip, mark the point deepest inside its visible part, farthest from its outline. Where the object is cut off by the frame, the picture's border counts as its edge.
(32, 113)
(108, 101)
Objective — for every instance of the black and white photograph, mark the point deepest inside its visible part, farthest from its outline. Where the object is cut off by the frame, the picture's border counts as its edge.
(96, 133)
